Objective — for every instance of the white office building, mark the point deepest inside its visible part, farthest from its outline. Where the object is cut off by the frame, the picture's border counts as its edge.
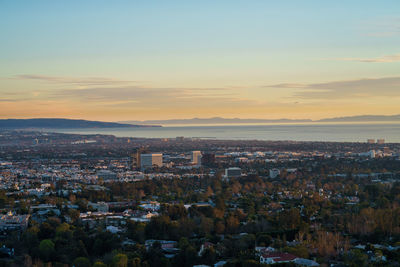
(196, 157)
(151, 160)
(372, 154)
(273, 173)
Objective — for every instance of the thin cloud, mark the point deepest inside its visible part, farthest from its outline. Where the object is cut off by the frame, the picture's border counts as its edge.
(151, 97)
(287, 85)
(361, 88)
(382, 59)
(7, 100)
(14, 99)
(116, 93)
(73, 80)
(109, 92)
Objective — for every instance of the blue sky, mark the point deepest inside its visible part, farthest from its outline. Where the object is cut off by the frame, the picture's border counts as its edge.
(179, 59)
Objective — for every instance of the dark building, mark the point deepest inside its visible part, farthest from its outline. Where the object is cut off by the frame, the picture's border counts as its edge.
(208, 159)
(135, 158)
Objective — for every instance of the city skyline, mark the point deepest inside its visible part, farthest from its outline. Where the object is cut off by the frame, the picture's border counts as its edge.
(239, 59)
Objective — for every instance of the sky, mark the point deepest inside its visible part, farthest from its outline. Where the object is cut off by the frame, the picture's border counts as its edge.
(141, 60)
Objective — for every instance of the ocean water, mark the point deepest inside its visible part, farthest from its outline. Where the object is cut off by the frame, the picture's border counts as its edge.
(273, 132)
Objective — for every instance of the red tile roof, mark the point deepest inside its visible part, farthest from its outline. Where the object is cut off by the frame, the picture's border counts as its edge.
(279, 256)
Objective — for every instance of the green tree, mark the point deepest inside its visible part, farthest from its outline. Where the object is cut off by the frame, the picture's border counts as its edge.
(82, 262)
(120, 260)
(356, 258)
(46, 231)
(136, 262)
(299, 251)
(289, 219)
(3, 199)
(74, 214)
(46, 248)
(99, 264)
(209, 256)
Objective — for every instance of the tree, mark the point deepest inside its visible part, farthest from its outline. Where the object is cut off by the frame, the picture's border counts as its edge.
(74, 214)
(105, 242)
(28, 261)
(209, 256)
(183, 243)
(3, 199)
(264, 240)
(356, 258)
(136, 262)
(46, 231)
(81, 262)
(30, 237)
(232, 223)
(99, 264)
(46, 248)
(120, 260)
(63, 230)
(186, 256)
(206, 225)
(290, 219)
(219, 227)
(299, 251)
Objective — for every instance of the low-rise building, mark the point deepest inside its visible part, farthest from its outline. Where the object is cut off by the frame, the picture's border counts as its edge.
(273, 173)
(10, 222)
(276, 257)
(233, 172)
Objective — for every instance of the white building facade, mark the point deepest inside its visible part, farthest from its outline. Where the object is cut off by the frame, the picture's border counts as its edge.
(196, 157)
(151, 160)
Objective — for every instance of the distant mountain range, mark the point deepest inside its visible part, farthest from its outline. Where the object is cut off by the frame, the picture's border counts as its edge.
(215, 120)
(62, 124)
(76, 124)
(365, 118)
(219, 120)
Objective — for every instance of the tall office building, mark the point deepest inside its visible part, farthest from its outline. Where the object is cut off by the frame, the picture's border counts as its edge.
(196, 157)
(135, 158)
(151, 160)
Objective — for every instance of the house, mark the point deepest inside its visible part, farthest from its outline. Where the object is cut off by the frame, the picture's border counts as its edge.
(43, 210)
(260, 250)
(306, 262)
(203, 248)
(165, 244)
(220, 263)
(276, 257)
(99, 206)
(113, 229)
(150, 205)
(6, 252)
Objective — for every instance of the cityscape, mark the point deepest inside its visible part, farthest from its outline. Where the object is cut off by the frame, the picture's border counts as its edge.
(229, 133)
(73, 199)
